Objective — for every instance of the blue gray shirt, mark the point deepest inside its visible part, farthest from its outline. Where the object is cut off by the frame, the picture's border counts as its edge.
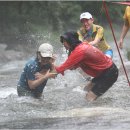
(31, 67)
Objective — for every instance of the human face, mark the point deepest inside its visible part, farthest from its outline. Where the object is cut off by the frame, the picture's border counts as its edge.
(87, 23)
(66, 45)
(44, 60)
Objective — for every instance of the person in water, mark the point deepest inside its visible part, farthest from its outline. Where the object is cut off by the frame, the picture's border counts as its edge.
(92, 61)
(36, 72)
(93, 34)
(125, 27)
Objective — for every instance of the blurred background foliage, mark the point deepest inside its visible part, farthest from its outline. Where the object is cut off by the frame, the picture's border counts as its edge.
(24, 22)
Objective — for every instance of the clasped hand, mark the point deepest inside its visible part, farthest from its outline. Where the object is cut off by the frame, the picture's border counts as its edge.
(46, 75)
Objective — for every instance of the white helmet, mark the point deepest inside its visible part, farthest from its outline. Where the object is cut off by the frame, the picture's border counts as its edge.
(85, 15)
(46, 50)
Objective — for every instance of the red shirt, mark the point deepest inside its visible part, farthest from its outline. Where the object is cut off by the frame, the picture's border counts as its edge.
(90, 59)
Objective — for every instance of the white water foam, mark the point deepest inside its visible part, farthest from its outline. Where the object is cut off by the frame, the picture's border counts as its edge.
(5, 92)
(80, 90)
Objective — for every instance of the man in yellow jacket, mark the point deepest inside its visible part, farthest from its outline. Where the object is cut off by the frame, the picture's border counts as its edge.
(94, 34)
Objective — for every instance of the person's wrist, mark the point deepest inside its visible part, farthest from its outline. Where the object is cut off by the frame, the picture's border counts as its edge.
(121, 39)
(45, 77)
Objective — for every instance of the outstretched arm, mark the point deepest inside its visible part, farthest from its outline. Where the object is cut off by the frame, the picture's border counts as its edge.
(72, 62)
(98, 37)
(95, 42)
(40, 78)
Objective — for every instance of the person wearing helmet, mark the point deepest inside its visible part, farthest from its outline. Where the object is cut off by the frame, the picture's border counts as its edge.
(125, 27)
(94, 34)
(92, 61)
(36, 72)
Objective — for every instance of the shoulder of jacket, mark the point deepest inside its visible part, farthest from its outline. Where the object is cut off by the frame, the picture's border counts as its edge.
(97, 26)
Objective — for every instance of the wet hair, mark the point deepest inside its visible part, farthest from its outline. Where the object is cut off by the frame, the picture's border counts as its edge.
(72, 38)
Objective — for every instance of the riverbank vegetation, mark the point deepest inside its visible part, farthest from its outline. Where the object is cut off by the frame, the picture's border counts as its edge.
(29, 23)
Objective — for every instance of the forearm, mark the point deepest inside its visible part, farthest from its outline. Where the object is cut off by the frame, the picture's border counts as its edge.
(34, 84)
(98, 37)
(72, 62)
(95, 42)
(124, 32)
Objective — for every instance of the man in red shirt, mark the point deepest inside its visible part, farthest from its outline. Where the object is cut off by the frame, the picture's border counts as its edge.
(92, 61)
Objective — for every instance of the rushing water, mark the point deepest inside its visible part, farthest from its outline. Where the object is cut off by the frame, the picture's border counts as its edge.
(64, 105)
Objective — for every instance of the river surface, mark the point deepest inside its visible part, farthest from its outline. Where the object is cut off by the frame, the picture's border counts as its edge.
(63, 105)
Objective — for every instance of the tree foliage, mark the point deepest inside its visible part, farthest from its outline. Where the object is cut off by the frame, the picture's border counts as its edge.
(32, 17)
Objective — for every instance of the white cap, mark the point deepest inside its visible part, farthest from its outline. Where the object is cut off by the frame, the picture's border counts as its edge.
(85, 15)
(46, 50)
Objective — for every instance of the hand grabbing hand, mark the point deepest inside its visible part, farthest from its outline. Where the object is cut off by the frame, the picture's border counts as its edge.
(47, 75)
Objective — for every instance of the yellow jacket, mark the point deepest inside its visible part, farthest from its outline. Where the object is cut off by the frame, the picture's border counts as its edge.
(96, 32)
